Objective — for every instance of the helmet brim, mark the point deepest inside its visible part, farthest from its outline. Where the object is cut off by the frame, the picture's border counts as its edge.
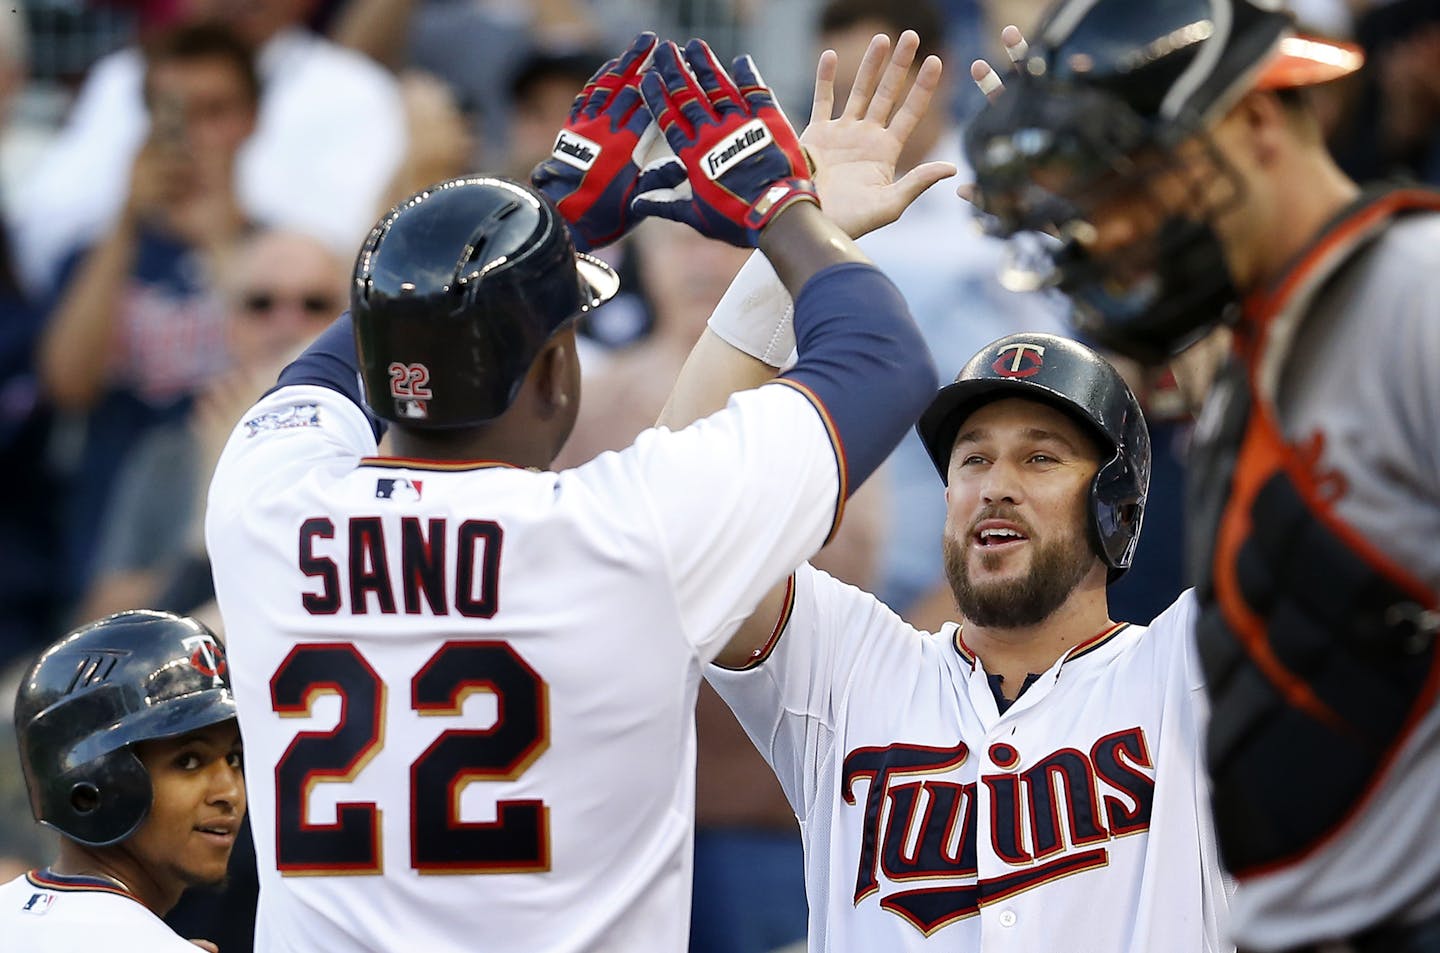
(174, 717)
(598, 281)
(1309, 61)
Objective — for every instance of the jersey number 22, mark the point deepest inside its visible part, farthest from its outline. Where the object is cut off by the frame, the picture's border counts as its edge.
(517, 841)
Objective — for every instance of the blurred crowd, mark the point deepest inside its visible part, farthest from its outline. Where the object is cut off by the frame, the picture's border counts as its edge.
(187, 221)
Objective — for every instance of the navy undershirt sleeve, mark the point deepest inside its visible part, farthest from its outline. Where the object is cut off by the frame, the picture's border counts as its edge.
(330, 361)
(863, 358)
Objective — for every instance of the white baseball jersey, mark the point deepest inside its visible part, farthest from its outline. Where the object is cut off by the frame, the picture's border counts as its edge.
(467, 690)
(42, 912)
(1077, 820)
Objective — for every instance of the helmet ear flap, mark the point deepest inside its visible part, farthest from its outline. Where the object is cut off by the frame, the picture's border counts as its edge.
(98, 803)
(108, 801)
(1117, 509)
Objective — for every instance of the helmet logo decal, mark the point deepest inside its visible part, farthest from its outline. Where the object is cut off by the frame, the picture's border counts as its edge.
(410, 387)
(1028, 360)
(95, 666)
(206, 654)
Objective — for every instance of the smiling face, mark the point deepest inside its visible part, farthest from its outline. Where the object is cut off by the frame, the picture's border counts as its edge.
(198, 803)
(1016, 539)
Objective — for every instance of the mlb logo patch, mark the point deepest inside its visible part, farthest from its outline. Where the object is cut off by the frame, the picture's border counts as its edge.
(38, 904)
(401, 489)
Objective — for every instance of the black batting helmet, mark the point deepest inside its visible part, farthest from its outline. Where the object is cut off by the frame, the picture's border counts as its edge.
(456, 291)
(83, 704)
(1069, 376)
(1105, 93)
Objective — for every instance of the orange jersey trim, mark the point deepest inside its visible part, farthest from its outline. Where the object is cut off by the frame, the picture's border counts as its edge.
(787, 608)
(414, 463)
(841, 464)
(65, 883)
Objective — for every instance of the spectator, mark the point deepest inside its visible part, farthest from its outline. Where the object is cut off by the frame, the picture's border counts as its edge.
(28, 531)
(439, 143)
(329, 138)
(283, 289)
(478, 48)
(1395, 123)
(139, 326)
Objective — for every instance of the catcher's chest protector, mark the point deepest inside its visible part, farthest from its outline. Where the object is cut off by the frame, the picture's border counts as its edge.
(1319, 652)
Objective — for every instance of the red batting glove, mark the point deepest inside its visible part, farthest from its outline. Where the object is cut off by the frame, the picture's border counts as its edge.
(742, 160)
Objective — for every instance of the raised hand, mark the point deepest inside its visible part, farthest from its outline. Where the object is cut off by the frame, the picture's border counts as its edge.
(740, 161)
(591, 175)
(985, 75)
(855, 154)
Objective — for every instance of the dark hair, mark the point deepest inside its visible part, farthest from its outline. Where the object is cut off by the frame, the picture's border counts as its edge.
(572, 65)
(202, 41)
(922, 16)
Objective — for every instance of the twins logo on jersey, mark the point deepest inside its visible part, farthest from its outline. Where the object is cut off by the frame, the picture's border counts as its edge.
(1047, 821)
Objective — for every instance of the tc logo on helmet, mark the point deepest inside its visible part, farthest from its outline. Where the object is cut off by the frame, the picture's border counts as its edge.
(1028, 360)
(206, 654)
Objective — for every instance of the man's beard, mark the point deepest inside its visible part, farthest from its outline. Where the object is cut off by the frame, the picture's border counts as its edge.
(1056, 568)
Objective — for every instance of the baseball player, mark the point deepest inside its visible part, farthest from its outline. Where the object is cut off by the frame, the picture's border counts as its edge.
(1028, 778)
(131, 752)
(1192, 184)
(466, 682)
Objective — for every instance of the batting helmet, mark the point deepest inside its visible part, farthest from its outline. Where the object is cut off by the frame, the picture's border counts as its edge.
(456, 291)
(1105, 93)
(91, 696)
(1069, 376)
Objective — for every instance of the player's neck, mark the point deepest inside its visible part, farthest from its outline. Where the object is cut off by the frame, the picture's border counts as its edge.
(1308, 193)
(118, 868)
(1017, 652)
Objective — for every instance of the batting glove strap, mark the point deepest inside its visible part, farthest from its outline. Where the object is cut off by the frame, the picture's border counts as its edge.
(775, 200)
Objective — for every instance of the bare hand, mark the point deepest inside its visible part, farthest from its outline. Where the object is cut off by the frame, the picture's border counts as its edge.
(855, 155)
(160, 177)
(206, 945)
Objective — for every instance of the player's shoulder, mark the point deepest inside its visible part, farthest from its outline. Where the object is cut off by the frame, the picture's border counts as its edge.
(62, 919)
(843, 610)
(1410, 249)
(289, 426)
(1179, 617)
(1165, 648)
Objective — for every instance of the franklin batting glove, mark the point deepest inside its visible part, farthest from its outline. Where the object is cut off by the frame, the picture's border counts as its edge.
(742, 162)
(592, 171)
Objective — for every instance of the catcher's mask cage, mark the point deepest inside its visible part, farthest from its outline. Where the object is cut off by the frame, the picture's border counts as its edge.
(89, 698)
(455, 293)
(1071, 377)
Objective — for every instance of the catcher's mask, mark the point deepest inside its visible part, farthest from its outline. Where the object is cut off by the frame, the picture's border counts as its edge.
(1110, 107)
